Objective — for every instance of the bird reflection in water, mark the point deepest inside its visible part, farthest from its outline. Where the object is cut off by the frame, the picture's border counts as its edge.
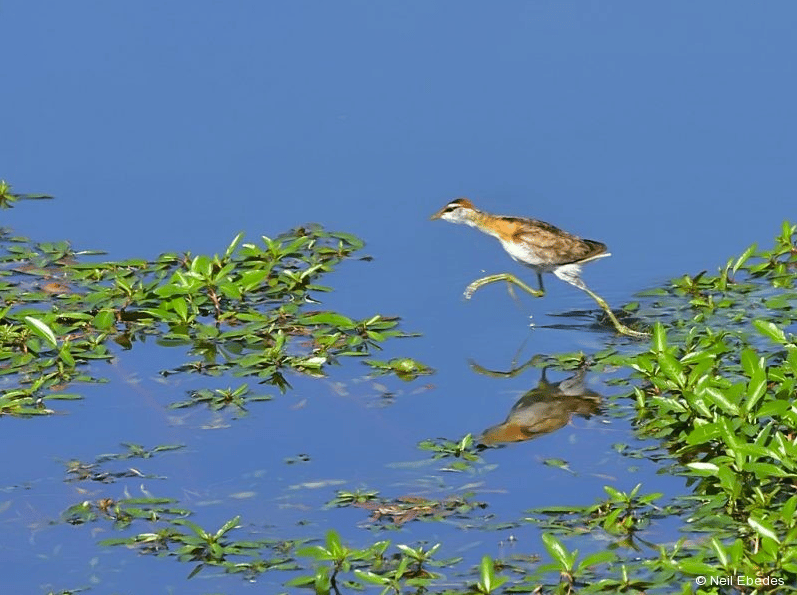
(544, 409)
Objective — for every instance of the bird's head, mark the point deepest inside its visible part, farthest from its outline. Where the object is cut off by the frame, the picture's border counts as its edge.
(460, 210)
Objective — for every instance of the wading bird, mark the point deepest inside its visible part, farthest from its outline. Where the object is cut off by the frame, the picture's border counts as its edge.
(536, 244)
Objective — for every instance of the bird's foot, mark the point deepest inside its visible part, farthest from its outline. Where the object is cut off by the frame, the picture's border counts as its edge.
(618, 326)
(509, 278)
(628, 332)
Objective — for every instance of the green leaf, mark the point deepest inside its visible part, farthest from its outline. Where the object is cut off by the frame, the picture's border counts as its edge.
(751, 361)
(486, 573)
(104, 319)
(703, 433)
(333, 543)
(771, 330)
(316, 552)
(42, 330)
(659, 338)
(198, 531)
(180, 306)
(488, 581)
(229, 525)
(696, 567)
(370, 577)
(672, 368)
(762, 528)
(719, 549)
(744, 257)
(233, 245)
(196, 569)
(704, 468)
(66, 355)
(557, 550)
(300, 581)
(330, 318)
(756, 388)
(251, 279)
(64, 397)
(202, 265)
(788, 509)
(728, 433)
(765, 471)
(720, 400)
(603, 557)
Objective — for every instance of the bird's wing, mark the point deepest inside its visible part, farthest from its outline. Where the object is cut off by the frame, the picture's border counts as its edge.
(554, 245)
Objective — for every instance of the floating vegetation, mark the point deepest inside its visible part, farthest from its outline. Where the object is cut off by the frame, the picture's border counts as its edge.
(464, 451)
(221, 398)
(711, 398)
(717, 389)
(244, 312)
(404, 368)
(8, 198)
(408, 508)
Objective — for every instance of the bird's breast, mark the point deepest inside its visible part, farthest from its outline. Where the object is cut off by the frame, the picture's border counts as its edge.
(524, 254)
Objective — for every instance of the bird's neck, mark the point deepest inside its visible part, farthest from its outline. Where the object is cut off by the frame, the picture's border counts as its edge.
(484, 222)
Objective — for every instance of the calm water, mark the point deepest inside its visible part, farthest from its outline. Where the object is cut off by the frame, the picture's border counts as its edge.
(666, 132)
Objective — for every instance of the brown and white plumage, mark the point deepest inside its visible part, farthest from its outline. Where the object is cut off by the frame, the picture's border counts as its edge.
(536, 244)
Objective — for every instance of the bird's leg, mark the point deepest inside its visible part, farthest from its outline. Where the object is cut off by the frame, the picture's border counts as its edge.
(619, 326)
(570, 274)
(509, 278)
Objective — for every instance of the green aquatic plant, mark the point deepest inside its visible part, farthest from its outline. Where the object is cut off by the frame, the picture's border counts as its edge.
(346, 498)
(335, 558)
(404, 368)
(465, 452)
(717, 396)
(245, 312)
(209, 548)
(711, 398)
(8, 198)
(123, 512)
(489, 581)
(623, 516)
(717, 389)
(221, 398)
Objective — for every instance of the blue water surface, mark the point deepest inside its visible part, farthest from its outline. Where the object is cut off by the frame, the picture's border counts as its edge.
(665, 130)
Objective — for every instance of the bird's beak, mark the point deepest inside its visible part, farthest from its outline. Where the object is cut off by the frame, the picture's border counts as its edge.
(437, 215)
